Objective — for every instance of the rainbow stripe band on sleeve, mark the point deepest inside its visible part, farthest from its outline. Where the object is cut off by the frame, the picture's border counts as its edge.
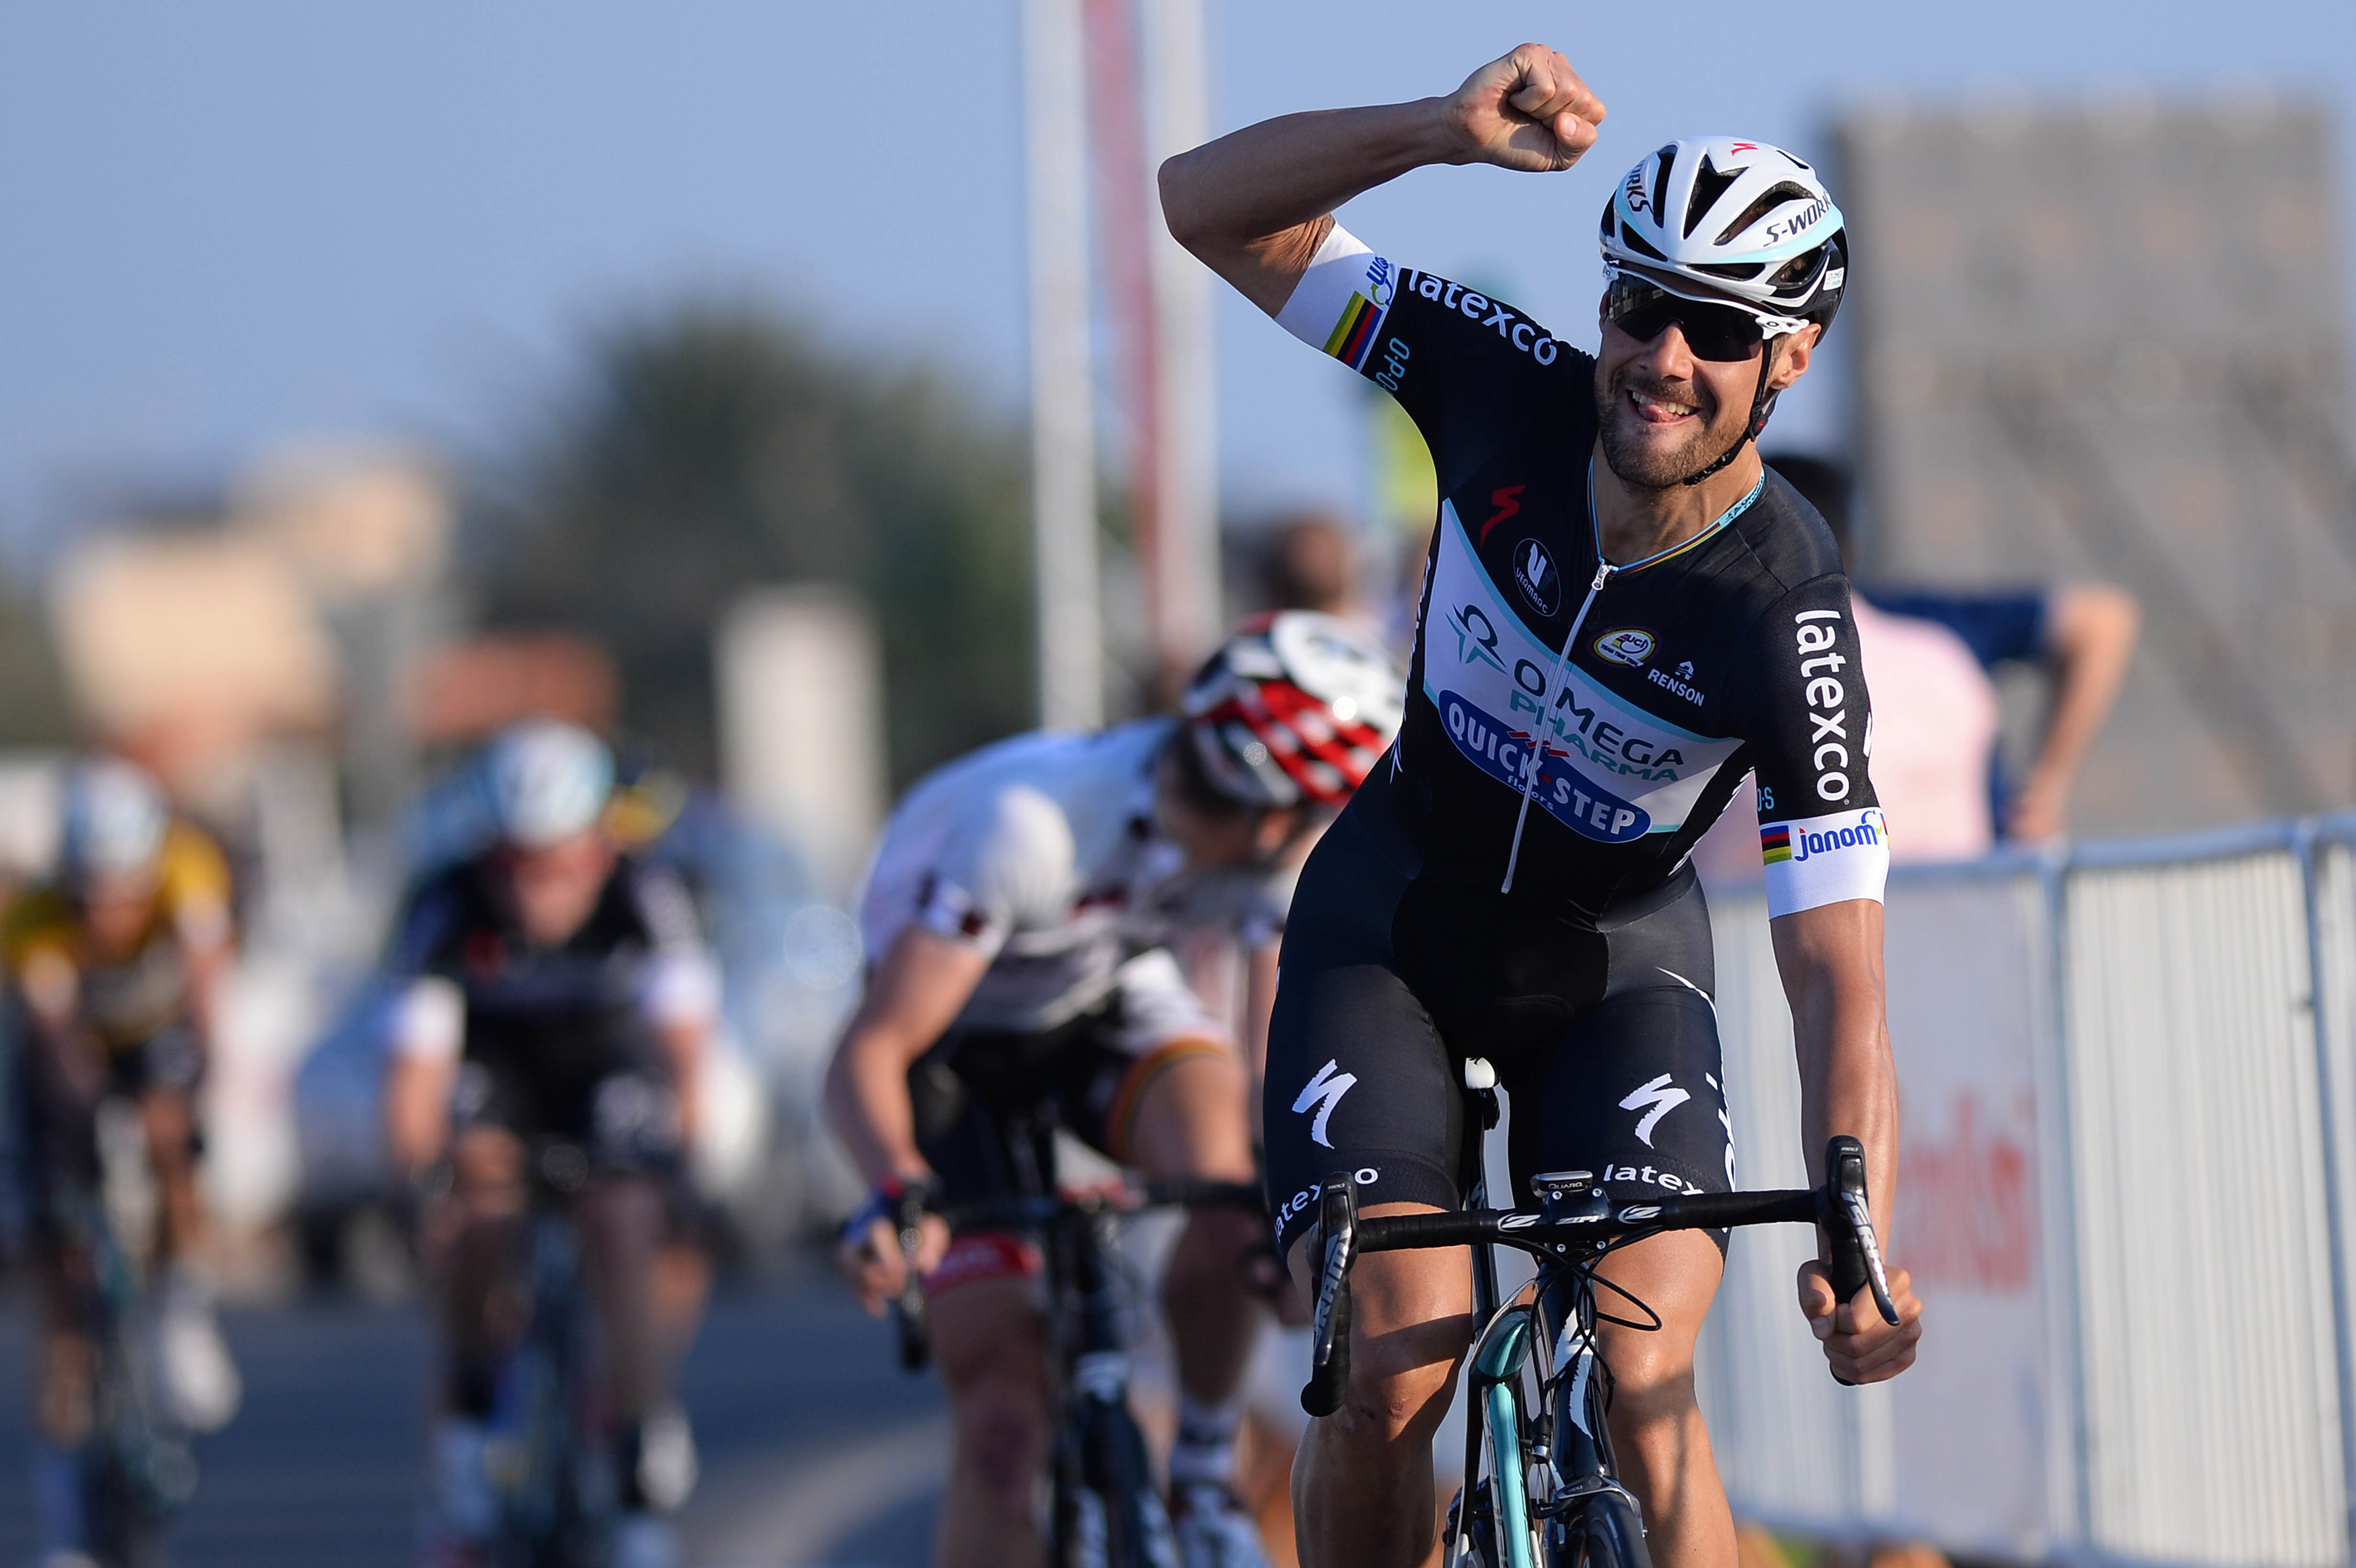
(1355, 330)
(1775, 844)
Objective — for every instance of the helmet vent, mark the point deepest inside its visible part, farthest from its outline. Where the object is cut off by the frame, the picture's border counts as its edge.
(1668, 161)
(1801, 270)
(1638, 243)
(1708, 185)
(1740, 271)
(1777, 194)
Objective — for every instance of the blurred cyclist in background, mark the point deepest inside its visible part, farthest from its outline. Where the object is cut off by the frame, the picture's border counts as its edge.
(558, 989)
(1015, 918)
(113, 970)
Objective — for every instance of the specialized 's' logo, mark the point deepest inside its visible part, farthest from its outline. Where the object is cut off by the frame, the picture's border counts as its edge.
(1507, 500)
(1656, 1099)
(1628, 646)
(1324, 1091)
(1535, 575)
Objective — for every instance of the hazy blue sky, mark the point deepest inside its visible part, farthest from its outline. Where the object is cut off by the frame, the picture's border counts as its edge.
(227, 224)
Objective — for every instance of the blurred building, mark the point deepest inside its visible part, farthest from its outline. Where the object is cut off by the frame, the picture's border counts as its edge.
(2108, 342)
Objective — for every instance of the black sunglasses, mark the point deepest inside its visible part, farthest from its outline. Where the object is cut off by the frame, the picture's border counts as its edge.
(1716, 331)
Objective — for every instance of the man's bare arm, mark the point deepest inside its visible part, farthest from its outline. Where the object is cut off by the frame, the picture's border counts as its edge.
(1254, 205)
(2091, 637)
(1830, 960)
(916, 993)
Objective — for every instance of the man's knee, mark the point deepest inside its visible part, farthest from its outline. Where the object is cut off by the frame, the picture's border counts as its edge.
(1653, 1398)
(1001, 1421)
(1400, 1383)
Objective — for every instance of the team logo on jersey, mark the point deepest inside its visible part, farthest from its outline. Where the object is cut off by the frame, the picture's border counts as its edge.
(1535, 575)
(1606, 768)
(1628, 646)
(1684, 669)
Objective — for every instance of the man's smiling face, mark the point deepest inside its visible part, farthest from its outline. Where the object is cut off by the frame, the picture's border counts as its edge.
(1666, 413)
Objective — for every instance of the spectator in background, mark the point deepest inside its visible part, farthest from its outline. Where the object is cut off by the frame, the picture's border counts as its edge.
(1310, 563)
(1935, 762)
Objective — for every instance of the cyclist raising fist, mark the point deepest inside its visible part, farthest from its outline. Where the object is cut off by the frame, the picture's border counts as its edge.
(1623, 614)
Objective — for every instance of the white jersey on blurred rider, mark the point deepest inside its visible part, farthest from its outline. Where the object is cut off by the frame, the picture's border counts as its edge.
(1042, 853)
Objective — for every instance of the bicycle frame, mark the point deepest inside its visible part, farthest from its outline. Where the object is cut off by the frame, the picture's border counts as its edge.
(544, 1469)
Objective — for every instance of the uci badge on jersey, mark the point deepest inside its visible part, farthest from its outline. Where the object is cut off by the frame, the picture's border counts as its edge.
(1629, 645)
(1609, 771)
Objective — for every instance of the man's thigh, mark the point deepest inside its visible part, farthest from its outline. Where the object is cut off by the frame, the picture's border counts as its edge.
(1359, 1084)
(1189, 1120)
(1634, 1095)
(1673, 1276)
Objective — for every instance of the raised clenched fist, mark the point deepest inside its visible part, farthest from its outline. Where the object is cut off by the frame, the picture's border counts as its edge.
(1528, 111)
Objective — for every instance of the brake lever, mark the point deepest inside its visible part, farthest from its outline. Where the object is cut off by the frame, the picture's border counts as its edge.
(909, 1311)
(1856, 1251)
(1876, 1275)
(1329, 1355)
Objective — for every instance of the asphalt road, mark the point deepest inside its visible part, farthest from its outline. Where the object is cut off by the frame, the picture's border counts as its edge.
(816, 1450)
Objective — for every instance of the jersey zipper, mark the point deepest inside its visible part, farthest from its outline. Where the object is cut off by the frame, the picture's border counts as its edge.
(1603, 569)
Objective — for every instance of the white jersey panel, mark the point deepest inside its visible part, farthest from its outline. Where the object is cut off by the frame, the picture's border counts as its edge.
(1612, 771)
(1042, 853)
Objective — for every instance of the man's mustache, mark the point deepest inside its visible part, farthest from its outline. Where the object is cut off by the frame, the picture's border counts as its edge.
(1685, 394)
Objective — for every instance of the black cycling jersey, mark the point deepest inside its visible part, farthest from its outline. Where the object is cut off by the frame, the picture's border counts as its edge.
(548, 1028)
(1734, 651)
(1646, 691)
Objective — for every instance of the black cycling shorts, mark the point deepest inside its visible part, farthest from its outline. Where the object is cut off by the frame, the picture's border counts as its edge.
(624, 1116)
(987, 1102)
(1604, 1037)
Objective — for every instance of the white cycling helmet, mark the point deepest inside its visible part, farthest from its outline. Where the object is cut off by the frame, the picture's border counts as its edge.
(115, 819)
(547, 781)
(1731, 222)
(1295, 706)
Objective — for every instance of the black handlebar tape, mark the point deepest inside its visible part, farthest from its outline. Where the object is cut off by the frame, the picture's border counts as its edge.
(1329, 1353)
(1700, 1211)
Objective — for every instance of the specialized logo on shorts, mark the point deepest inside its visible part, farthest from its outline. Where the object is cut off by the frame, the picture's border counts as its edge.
(1657, 1100)
(1607, 769)
(1324, 1091)
(1535, 575)
(1628, 646)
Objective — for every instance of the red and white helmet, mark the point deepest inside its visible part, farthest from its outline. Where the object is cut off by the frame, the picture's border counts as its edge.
(1297, 706)
(1731, 222)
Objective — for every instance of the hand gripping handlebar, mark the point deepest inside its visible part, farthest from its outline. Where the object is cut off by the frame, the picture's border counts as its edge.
(1840, 1205)
(1855, 1255)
